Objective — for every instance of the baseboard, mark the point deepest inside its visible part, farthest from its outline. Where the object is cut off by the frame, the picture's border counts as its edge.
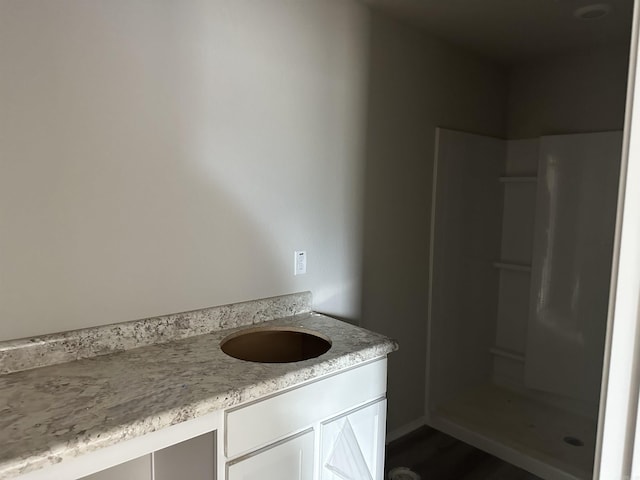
(406, 429)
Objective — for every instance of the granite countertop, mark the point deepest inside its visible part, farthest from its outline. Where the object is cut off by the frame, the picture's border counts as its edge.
(52, 413)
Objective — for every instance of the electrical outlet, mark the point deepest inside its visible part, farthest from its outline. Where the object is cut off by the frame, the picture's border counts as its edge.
(300, 266)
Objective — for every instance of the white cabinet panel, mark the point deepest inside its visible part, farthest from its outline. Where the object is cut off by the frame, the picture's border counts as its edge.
(290, 460)
(138, 469)
(192, 459)
(283, 414)
(353, 445)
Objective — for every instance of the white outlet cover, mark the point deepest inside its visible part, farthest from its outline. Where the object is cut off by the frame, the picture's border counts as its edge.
(300, 262)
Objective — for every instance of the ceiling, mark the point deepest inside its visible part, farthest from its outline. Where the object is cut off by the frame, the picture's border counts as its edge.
(508, 30)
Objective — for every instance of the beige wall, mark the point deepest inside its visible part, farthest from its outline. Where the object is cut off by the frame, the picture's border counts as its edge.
(164, 156)
(415, 84)
(571, 93)
(159, 157)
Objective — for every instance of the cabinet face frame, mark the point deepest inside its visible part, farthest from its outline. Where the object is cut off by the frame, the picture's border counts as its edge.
(107, 457)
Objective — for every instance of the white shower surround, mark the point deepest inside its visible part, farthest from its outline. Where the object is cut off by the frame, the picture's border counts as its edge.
(482, 361)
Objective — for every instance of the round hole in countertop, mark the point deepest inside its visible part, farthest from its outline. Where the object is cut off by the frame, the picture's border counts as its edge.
(275, 344)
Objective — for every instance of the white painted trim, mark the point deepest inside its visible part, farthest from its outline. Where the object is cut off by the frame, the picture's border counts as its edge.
(619, 396)
(99, 460)
(406, 429)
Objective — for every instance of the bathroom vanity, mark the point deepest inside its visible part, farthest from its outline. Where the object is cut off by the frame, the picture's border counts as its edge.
(185, 409)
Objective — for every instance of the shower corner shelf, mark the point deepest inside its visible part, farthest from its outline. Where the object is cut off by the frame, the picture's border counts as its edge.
(514, 267)
(518, 179)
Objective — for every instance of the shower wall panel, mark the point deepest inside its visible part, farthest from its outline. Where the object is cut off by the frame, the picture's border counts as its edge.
(573, 242)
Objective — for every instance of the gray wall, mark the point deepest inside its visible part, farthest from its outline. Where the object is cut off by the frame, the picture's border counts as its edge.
(172, 157)
(158, 157)
(416, 83)
(571, 93)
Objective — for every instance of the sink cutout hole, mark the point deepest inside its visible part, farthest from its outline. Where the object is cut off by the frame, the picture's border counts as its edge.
(573, 441)
(275, 345)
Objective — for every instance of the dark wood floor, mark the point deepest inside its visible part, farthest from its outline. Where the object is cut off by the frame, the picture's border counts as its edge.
(436, 456)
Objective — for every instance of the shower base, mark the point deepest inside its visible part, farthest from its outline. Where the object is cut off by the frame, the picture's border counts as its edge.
(547, 441)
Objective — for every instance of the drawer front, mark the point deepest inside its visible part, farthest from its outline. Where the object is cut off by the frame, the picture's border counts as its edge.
(260, 423)
(289, 460)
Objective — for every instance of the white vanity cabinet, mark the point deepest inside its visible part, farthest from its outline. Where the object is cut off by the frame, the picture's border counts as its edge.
(329, 429)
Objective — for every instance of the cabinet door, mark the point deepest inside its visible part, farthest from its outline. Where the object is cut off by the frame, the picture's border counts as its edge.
(289, 460)
(353, 445)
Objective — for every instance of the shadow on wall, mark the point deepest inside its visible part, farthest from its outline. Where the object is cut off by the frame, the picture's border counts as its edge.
(162, 157)
(120, 223)
(416, 83)
(123, 239)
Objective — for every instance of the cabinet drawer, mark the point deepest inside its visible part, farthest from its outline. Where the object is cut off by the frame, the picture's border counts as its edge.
(289, 460)
(257, 424)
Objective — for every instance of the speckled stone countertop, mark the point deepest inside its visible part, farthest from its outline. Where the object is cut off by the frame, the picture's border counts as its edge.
(45, 350)
(57, 412)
